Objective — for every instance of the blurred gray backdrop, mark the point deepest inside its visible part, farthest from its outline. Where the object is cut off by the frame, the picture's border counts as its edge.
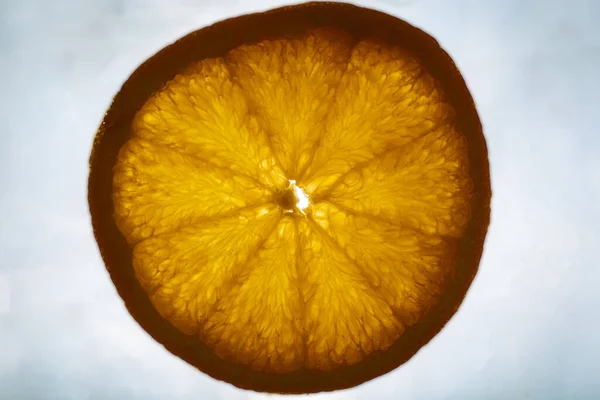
(529, 327)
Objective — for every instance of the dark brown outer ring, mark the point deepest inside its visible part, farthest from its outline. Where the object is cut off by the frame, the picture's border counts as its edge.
(215, 41)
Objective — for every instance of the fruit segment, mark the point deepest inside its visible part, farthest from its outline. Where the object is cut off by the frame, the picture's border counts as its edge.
(345, 319)
(158, 190)
(424, 185)
(291, 82)
(186, 272)
(201, 112)
(385, 99)
(259, 322)
(407, 268)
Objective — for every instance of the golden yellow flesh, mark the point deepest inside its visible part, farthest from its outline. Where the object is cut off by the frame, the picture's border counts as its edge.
(202, 193)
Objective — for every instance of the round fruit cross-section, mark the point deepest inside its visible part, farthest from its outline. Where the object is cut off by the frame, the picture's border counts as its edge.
(293, 201)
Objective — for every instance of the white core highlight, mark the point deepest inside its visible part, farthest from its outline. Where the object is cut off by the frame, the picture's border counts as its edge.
(302, 197)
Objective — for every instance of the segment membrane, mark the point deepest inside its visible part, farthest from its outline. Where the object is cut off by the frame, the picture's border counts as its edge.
(291, 82)
(259, 321)
(406, 267)
(201, 112)
(158, 190)
(345, 320)
(186, 272)
(385, 99)
(424, 185)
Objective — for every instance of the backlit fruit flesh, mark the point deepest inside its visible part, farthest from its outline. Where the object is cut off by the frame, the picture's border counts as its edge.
(293, 201)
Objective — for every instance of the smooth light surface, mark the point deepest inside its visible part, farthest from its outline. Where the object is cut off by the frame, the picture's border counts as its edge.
(528, 330)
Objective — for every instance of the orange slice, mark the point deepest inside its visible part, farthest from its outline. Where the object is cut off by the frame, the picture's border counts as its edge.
(293, 201)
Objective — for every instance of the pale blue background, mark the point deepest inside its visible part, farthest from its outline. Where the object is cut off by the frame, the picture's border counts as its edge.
(529, 328)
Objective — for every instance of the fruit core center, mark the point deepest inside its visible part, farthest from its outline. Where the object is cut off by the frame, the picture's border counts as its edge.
(293, 198)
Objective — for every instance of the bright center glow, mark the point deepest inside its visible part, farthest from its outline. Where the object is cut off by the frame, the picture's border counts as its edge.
(302, 197)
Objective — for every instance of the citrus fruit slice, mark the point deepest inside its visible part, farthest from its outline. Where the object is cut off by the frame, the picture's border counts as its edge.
(293, 201)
